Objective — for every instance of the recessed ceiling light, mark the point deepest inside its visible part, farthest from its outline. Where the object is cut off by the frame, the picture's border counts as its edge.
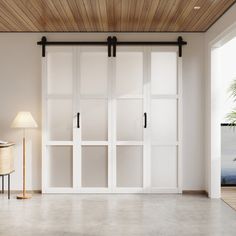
(196, 7)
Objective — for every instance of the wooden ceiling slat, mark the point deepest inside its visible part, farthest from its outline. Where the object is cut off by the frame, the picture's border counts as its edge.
(21, 17)
(110, 15)
(54, 17)
(102, 15)
(214, 10)
(145, 6)
(29, 11)
(187, 13)
(181, 18)
(151, 13)
(89, 17)
(204, 16)
(59, 6)
(171, 8)
(71, 22)
(196, 14)
(170, 15)
(83, 14)
(124, 13)
(96, 15)
(10, 18)
(44, 14)
(75, 10)
(174, 18)
(117, 9)
(158, 21)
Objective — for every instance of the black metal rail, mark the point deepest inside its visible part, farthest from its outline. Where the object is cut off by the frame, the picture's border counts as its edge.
(112, 42)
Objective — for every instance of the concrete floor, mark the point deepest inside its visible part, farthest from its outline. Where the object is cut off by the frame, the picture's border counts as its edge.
(113, 215)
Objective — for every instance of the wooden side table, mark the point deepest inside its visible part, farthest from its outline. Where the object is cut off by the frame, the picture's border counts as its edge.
(6, 164)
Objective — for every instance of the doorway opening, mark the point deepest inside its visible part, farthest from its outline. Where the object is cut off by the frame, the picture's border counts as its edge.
(227, 74)
(223, 118)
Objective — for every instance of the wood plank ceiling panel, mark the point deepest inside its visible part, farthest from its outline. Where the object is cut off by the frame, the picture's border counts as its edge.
(110, 15)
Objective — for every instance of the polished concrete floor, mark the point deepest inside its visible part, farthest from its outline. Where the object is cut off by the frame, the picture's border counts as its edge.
(113, 215)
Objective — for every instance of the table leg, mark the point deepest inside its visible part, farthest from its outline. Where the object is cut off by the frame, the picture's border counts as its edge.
(9, 186)
(2, 183)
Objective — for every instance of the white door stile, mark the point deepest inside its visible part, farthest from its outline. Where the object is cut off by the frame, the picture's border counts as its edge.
(113, 122)
(44, 171)
(178, 143)
(145, 110)
(117, 142)
(180, 125)
(84, 143)
(46, 144)
(110, 134)
(76, 132)
(148, 130)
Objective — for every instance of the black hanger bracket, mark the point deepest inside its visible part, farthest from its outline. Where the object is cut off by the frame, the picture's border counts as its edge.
(112, 44)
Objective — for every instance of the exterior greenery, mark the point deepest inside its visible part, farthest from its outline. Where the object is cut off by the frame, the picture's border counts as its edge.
(232, 115)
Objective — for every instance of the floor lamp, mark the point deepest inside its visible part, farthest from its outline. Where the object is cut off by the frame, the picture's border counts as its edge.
(24, 120)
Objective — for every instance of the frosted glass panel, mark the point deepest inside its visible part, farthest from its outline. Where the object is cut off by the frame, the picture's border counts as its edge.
(164, 167)
(129, 119)
(129, 162)
(93, 73)
(94, 119)
(164, 120)
(60, 119)
(129, 73)
(164, 72)
(60, 166)
(94, 166)
(60, 72)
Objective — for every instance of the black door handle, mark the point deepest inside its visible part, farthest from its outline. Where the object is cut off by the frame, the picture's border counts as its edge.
(78, 120)
(145, 120)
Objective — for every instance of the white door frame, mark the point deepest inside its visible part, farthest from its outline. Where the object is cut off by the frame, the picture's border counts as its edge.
(213, 130)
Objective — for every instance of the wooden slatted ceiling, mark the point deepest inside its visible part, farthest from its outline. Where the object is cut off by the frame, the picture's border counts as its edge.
(110, 15)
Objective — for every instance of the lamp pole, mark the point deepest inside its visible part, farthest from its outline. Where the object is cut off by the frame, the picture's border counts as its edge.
(24, 120)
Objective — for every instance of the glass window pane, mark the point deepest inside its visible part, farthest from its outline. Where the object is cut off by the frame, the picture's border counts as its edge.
(129, 119)
(60, 72)
(129, 73)
(94, 119)
(60, 166)
(60, 118)
(129, 164)
(164, 120)
(164, 72)
(94, 166)
(164, 167)
(93, 73)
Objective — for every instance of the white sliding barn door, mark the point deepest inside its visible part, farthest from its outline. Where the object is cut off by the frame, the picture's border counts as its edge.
(94, 141)
(128, 110)
(165, 120)
(58, 108)
(94, 134)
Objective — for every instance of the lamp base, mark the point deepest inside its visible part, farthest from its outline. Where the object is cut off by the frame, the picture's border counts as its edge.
(26, 196)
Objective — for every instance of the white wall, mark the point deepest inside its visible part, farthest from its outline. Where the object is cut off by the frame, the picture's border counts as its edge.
(20, 89)
(219, 33)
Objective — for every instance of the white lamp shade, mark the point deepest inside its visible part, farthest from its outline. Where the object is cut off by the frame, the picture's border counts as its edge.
(24, 119)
